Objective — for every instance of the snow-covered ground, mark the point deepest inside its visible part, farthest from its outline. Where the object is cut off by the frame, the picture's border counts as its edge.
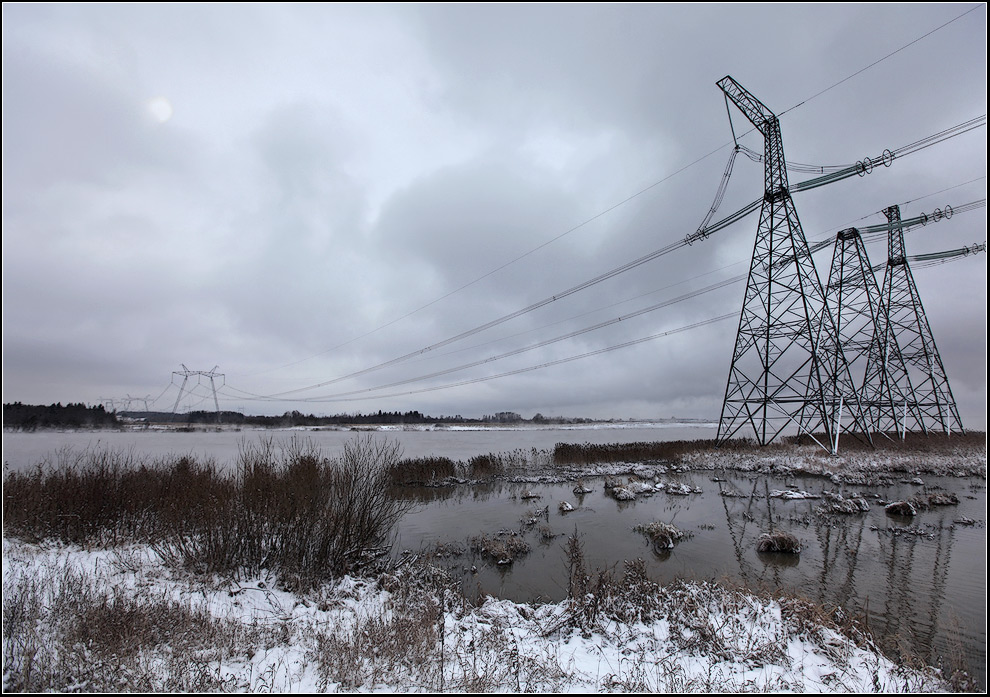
(406, 631)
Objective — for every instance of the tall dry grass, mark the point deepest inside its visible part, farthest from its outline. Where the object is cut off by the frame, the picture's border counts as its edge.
(289, 509)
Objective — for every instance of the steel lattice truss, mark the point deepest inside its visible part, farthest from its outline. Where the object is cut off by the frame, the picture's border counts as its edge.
(904, 372)
(778, 376)
(852, 297)
(186, 374)
(874, 359)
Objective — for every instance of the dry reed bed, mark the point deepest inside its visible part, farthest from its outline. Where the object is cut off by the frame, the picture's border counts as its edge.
(441, 471)
(287, 509)
(856, 462)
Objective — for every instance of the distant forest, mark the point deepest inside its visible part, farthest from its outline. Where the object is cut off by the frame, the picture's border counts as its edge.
(26, 417)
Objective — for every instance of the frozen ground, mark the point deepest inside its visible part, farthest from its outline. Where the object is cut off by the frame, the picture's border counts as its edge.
(118, 620)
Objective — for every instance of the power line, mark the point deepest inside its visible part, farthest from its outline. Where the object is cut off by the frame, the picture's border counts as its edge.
(547, 364)
(879, 60)
(949, 255)
(927, 259)
(607, 210)
(860, 168)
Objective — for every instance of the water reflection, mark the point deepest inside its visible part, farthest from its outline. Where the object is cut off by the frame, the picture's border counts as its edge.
(781, 560)
(919, 583)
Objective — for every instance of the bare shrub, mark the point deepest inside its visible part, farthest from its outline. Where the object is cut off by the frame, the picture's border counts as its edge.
(288, 509)
(778, 542)
(307, 517)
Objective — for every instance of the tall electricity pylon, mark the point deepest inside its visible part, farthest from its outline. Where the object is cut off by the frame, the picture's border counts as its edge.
(918, 385)
(853, 299)
(778, 377)
(186, 374)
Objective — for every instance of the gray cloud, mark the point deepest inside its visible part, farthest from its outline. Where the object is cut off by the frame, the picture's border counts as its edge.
(327, 171)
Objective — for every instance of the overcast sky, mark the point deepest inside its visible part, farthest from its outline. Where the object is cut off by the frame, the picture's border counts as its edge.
(296, 193)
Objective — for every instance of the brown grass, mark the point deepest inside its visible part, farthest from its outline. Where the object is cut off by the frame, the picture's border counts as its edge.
(423, 471)
(676, 451)
(65, 630)
(501, 548)
(778, 542)
(290, 510)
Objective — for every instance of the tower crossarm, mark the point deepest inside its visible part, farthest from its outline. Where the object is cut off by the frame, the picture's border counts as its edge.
(766, 122)
(751, 107)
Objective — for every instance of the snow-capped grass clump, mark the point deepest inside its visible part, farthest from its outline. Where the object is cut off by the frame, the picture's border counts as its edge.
(501, 548)
(792, 495)
(901, 508)
(662, 535)
(581, 488)
(835, 503)
(778, 542)
(641, 488)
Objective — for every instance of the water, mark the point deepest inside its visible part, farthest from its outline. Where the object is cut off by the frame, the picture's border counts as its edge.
(23, 450)
(926, 591)
(920, 583)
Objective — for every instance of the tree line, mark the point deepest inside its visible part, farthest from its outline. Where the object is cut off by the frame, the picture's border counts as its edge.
(29, 417)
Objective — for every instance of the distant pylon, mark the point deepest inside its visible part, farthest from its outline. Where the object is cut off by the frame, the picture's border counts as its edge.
(853, 299)
(186, 374)
(778, 377)
(918, 385)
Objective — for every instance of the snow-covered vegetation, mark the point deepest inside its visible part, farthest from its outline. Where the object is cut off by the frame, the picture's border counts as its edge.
(119, 619)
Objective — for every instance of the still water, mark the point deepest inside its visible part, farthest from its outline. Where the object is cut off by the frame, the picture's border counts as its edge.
(22, 450)
(920, 583)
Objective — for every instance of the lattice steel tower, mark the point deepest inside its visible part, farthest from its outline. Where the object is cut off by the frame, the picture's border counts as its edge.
(186, 374)
(918, 385)
(778, 377)
(853, 299)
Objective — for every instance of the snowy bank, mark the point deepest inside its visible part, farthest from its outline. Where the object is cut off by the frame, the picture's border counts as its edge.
(119, 620)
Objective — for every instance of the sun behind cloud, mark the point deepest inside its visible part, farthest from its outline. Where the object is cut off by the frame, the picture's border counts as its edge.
(160, 109)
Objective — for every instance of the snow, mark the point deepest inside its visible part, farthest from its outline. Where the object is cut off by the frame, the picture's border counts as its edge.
(696, 637)
(791, 495)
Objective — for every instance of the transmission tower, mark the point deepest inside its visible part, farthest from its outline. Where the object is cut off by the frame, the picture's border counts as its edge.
(186, 374)
(853, 299)
(919, 384)
(778, 377)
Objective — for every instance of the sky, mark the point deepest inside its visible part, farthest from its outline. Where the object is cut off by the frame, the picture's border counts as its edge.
(293, 195)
